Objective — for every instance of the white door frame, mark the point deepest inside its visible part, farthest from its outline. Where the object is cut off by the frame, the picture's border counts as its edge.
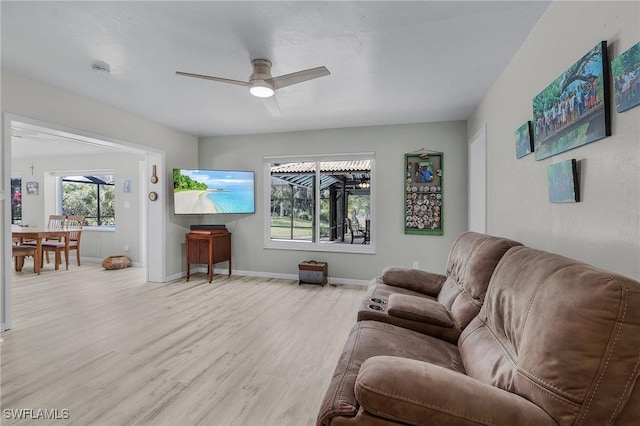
(477, 163)
(153, 214)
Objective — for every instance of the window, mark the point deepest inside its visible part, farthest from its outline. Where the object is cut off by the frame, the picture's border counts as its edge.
(16, 201)
(322, 202)
(92, 196)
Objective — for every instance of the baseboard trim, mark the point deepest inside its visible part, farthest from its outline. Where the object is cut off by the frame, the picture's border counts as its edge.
(225, 271)
(176, 276)
(96, 260)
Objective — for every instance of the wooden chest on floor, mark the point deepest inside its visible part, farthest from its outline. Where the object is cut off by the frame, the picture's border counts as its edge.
(312, 272)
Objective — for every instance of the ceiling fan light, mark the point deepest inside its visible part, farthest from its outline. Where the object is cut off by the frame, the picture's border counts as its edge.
(261, 90)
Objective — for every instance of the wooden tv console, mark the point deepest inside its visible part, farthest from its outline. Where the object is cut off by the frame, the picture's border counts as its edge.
(208, 247)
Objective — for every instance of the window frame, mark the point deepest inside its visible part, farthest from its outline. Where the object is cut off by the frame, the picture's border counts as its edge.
(13, 220)
(59, 183)
(317, 245)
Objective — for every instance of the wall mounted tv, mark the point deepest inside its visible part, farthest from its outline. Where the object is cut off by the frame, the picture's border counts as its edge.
(200, 191)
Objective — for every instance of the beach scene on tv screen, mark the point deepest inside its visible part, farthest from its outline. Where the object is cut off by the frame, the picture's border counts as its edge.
(213, 191)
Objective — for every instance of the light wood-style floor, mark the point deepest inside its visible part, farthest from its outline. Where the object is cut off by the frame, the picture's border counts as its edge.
(116, 350)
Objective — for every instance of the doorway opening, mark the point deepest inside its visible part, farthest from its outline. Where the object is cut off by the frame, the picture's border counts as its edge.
(48, 139)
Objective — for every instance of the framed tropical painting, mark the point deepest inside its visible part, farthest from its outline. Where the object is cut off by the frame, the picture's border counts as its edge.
(574, 109)
(626, 78)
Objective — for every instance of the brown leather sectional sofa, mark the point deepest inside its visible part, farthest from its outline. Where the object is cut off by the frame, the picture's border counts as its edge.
(437, 305)
(554, 342)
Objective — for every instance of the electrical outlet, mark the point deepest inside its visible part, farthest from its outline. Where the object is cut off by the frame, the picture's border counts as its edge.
(416, 265)
(126, 247)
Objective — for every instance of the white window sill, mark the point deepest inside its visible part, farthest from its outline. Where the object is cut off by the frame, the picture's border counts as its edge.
(98, 229)
(323, 247)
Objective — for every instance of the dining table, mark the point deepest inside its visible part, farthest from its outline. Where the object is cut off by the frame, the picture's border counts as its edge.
(29, 233)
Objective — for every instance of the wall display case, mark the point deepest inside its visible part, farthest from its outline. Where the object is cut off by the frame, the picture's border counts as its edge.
(423, 193)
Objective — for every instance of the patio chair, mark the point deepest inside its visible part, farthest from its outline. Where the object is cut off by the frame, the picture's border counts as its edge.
(353, 226)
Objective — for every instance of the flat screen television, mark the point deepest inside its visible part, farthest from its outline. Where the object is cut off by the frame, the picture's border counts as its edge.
(202, 191)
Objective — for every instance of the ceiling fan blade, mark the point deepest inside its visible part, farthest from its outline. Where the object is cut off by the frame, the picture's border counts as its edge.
(298, 77)
(272, 105)
(208, 77)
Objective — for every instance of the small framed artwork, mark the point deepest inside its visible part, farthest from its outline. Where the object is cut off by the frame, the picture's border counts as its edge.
(32, 188)
(524, 140)
(126, 185)
(626, 78)
(423, 193)
(562, 179)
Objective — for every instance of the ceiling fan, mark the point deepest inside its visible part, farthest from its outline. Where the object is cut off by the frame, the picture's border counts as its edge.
(261, 84)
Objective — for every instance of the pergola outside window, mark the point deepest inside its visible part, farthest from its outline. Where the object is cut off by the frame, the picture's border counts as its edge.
(92, 196)
(324, 202)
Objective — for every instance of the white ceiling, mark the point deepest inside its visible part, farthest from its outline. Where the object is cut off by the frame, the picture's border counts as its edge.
(390, 61)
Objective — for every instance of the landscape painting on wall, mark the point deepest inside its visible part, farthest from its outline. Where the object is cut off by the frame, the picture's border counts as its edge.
(524, 141)
(626, 78)
(563, 182)
(574, 109)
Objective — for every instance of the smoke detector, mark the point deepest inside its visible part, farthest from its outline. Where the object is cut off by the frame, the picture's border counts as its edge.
(100, 66)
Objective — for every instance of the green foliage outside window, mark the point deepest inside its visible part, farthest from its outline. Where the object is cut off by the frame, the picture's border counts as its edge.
(291, 214)
(16, 201)
(82, 199)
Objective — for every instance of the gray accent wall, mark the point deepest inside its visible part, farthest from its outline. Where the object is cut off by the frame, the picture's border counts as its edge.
(389, 143)
(604, 228)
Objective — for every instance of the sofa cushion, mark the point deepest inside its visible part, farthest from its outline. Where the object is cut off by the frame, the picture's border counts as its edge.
(416, 280)
(415, 392)
(472, 260)
(419, 309)
(560, 333)
(380, 291)
(373, 338)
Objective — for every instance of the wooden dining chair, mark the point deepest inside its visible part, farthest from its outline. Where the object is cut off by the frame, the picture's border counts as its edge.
(19, 252)
(73, 224)
(56, 221)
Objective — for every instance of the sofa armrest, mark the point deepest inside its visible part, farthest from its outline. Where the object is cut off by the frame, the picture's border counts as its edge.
(416, 392)
(414, 279)
(419, 309)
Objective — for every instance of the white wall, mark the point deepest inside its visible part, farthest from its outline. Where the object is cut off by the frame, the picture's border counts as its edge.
(28, 98)
(389, 143)
(604, 228)
(95, 244)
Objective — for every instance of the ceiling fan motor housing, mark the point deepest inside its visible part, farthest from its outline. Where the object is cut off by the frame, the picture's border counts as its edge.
(261, 69)
(260, 84)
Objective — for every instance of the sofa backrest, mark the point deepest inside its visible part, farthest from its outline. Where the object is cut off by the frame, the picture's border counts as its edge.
(472, 259)
(562, 334)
